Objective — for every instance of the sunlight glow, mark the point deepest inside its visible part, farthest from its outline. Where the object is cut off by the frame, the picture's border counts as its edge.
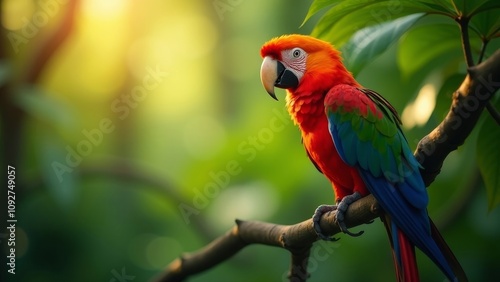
(183, 46)
(419, 111)
(106, 8)
(95, 52)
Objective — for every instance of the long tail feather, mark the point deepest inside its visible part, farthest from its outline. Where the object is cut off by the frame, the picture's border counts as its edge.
(403, 253)
(387, 224)
(448, 254)
(408, 259)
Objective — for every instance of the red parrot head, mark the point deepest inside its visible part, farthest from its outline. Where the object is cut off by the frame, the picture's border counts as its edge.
(301, 64)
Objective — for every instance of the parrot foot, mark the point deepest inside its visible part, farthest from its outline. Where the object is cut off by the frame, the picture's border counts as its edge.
(342, 208)
(316, 218)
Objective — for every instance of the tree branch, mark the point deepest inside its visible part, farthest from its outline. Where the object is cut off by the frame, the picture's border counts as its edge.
(468, 102)
(297, 239)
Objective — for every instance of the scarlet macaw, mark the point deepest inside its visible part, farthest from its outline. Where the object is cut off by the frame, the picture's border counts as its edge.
(353, 136)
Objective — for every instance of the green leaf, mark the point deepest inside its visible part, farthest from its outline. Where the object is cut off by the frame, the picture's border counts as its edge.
(487, 5)
(470, 7)
(450, 85)
(370, 42)
(347, 17)
(59, 176)
(430, 44)
(440, 6)
(37, 103)
(488, 156)
(330, 20)
(486, 23)
(316, 6)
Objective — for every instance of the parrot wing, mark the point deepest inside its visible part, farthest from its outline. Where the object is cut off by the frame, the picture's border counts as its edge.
(366, 133)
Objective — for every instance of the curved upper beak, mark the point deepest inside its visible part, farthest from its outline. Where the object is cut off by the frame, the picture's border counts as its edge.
(274, 73)
(269, 75)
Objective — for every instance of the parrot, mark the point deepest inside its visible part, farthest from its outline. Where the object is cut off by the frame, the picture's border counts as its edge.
(353, 136)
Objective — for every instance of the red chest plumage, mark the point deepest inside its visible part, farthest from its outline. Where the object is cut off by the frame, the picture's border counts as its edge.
(308, 113)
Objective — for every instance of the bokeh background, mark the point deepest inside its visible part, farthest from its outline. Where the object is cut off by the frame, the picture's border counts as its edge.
(139, 130)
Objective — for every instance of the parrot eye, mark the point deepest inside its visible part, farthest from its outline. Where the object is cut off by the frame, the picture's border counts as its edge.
(296, 53)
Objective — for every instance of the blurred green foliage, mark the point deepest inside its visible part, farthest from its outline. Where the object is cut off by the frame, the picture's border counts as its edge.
(148, 132)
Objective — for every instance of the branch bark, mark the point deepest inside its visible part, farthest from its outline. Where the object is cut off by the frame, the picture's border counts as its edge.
(481, 82)
(297, 239)
(468, 102)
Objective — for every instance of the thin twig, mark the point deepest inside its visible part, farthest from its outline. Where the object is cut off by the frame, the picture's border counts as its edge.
(463, 22)
(489, 106)
(493, 112)
(483, 50)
